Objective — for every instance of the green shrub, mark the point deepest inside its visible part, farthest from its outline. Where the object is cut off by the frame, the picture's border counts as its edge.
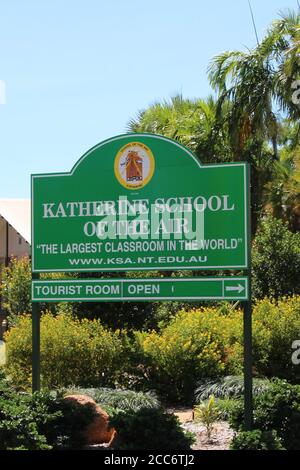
(226, 387)
(227, 407)
(125, 400)
(150, 429)
(256, 440)
(73, 352)
(70, 419)
(275, 260)
(196, 344)
(278, 408)
(275, 327)
(40, 421)
(19, 419)
(19, 424)
(15, 288)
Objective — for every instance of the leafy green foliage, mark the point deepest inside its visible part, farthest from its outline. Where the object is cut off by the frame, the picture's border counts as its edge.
(125, 400)
(39, 421)
(15, 288)
(282, 195)
(277, 409)
(149, 429)
(227, 387)
(275, 260)
(227, 406)
(190, 122)
(258, 85)
(195, 344)
(43, 420)
(70, 419)
(276, 325)
(73, 352)
(19, 423)
(256, 440)
(192, 352)
(207, 413)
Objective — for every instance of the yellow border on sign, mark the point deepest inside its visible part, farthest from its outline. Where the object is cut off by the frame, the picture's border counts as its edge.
(117, 161)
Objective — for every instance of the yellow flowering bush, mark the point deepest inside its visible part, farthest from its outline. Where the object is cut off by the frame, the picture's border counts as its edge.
(196, 344)
(276, 325)
(15, 288)
(73, 352)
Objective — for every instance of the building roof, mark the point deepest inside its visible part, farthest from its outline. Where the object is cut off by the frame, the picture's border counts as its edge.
(18, 214)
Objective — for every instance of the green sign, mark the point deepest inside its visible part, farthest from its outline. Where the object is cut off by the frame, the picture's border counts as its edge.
(105, 290)
(140, 202)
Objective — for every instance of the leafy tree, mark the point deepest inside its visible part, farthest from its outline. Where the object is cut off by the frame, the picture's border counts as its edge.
(275, 260)
(282, 48)
(282, 193)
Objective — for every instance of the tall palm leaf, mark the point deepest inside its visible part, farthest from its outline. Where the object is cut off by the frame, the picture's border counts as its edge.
(191, 122)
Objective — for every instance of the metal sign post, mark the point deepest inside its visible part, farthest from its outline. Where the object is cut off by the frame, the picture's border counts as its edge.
(248, 379)
(35, 342)
(248, 359)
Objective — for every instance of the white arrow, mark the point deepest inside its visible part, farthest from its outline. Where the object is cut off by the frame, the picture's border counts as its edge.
(238, 289)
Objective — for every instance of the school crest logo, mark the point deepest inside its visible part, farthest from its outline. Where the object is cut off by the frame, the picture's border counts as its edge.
(134, 165)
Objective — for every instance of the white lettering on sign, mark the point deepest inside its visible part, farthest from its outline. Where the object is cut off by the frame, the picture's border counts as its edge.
(58, 290)
(143, 289)
(137, 207)
(177, 217)
(106, 289)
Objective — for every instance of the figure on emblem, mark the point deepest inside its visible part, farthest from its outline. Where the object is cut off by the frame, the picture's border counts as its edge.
(134, 166)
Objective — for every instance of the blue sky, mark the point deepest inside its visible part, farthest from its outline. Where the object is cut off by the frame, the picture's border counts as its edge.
(77, 71)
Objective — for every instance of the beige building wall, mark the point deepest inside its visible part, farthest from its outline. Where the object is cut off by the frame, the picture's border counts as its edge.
(17, 245)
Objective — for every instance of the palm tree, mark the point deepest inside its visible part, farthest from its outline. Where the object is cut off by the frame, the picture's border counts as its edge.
(282, 195)
(246, 81)
(282, 46)
(258, 83)
(193, 123)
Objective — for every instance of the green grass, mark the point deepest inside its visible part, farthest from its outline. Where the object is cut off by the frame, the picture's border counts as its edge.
(2, 353)
(126, 400)
(228, 387)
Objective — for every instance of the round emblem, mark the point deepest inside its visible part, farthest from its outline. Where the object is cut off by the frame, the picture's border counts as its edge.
(134, 165)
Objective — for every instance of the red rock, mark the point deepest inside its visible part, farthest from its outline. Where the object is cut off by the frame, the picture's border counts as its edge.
(98, 431)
